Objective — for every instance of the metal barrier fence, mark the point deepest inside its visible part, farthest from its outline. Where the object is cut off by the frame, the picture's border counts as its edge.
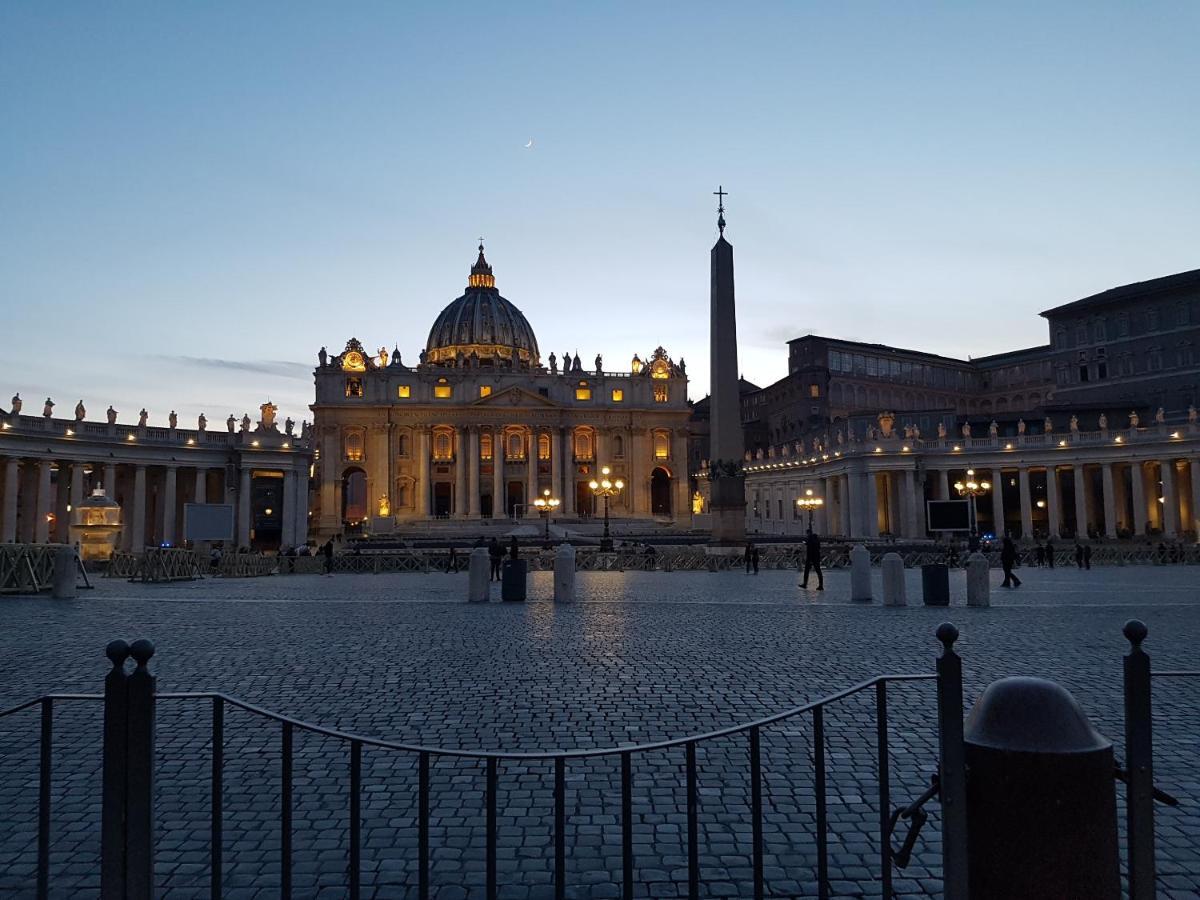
(160, 564)
(128, 822)
(26, 568)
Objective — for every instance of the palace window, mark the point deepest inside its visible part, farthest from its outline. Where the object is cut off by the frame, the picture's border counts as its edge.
(1123, 324)
(1152, 319)
(485, 446)
(354, 387)
(402, 445)
(516, 445)
(618, 395)
(582, 439)
(403, 495)
(543, 446)
(354, 445)
(443, 445)
(618, 446)
(404, 391)
(662, 445)
(814, 390)
(485, 390)
(442, 390)
(583, 392)
(660, 393)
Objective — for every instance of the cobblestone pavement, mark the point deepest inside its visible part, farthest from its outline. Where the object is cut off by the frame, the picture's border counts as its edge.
(640, 656)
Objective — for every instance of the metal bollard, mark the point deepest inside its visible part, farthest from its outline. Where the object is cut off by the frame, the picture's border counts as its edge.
(479, 589)
(978, 585)
(564, 573)
(1041, 801)
(893, 580)
(935, 584)
(860, 573)
(512, 579)
(64, 574)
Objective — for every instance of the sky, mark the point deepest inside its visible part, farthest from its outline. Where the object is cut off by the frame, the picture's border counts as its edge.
(195, 197)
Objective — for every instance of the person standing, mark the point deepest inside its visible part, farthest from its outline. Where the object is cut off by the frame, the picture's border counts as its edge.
(495, 556)
(1078, 555)
(812, 560)
(327, 550)
(1008, 559)
(1049, 553)
(749, 555)
(1039, 555)
(452, 562)
(754, 557)
(1087, 556)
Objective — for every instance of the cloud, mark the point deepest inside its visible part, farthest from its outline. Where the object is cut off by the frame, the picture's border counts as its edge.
(281, 368)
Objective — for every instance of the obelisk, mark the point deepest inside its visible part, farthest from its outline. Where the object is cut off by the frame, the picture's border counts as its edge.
(727, 495)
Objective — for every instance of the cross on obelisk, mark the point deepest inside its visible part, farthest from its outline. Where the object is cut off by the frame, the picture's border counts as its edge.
(720, 193)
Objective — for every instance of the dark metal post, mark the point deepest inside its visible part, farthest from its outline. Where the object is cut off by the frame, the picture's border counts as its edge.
(560, 828)
(217, 839)
(818, 717)
(1139, 792)
(139, 803)
(756, 829)
(606, 543)
(112, 803)
(951, 766)
(423, 825)
(881, 746)
(44, 784)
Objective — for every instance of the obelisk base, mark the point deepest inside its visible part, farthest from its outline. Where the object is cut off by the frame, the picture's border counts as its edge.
(727, 505)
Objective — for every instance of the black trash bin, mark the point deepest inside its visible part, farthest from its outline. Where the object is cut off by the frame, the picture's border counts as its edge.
(935, 584)
(512, 579)
(1041, 802)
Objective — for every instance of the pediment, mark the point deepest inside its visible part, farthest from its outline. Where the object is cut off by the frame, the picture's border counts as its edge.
(516, 396)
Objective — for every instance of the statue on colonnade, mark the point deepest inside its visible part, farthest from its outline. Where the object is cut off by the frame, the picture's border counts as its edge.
(112, 415)
(16, 403)
(142, 417)
(202, 422)
(48, 409)
(80, 411)
(231, 423)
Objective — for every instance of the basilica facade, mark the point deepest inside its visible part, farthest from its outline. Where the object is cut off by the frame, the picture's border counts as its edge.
(482, 426)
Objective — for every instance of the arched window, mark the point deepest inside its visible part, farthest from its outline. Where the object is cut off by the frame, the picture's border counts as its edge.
(662, 445)
(485, 445)
(618, 447)
(584, 447)
(402, 444)
(443, 444)
(354, 441)
(403, 495)
(516, 445)
(354, 495)
(543, 446)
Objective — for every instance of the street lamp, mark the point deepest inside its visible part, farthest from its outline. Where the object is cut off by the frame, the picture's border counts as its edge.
(606, 488)
(545, 505)
(811, 503)
(972, 489)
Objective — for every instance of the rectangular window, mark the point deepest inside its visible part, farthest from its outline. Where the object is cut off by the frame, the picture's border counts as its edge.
(404, 391)
(1083, 373)
(485, 390)
(583, 393)
(354, 387)
(618, 395)
(814, 390)
(1102, 370)
(660, 393)
(442, 391)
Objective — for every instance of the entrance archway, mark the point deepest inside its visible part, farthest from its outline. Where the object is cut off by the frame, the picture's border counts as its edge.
(354, 496)
(516, 497)
(442, 499)
(660, 492)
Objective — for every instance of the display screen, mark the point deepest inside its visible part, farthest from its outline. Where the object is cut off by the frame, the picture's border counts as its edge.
(949, 515)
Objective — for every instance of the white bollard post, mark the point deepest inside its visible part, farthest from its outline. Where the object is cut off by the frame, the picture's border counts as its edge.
(893, 581)
(978, 584)
(860, 573)
(64, 574)
(479, 568)
(564, 573)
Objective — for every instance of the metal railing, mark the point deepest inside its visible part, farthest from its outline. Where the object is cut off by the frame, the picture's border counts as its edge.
(26, 568)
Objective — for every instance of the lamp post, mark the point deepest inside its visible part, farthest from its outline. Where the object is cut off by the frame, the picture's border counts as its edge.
(811, 503)
(972, 489)
(545, 505)
(606, 488)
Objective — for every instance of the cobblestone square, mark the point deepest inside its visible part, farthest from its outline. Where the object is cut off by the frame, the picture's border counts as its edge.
(640, 656)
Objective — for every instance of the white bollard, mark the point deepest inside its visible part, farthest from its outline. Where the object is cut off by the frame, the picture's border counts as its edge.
(978, 583)
(893, 581)
(860, 573)
(564, 573)
(64, 574)
(479, 568)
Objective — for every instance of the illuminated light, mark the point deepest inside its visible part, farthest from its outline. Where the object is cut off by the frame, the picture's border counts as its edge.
(7, 426)
(268, 511)
(878, 449)
(191, 441)
(1117, 439)
(957, 448)
(68, 507)
(1008, 446)
(1062, 443)
(1041, 504)
(1174, 434)
(904, 449)
(254, 443)
(129, 437)
(70, 433)
(837, 452)
(286, 445)
(1160, 500)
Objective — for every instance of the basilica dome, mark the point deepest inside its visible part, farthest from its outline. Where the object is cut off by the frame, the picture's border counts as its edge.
(483, 323)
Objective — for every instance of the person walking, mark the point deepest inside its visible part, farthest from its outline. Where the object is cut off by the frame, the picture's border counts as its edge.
(1008, 559)
(1078, 555)
(327, 550)
(495, 556)
(1087, 556)
(812, 560)
(452, 562)
(1049, 553)
(749, 555)
(1039, 555)
(754, 558)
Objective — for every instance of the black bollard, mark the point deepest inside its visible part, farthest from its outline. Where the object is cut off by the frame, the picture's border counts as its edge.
(1041, 800)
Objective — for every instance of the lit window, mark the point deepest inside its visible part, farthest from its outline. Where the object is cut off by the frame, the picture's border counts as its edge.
(543, 446)
(485, 446)
(583, 444)
(618, 395)
(354, 445)
(443, 445)
(442, 391)
(404, 391)
(485, 390)
(516, 446)
(662, 445)
(814, 390)
(354, 387)
(583, 393)
(660, 393)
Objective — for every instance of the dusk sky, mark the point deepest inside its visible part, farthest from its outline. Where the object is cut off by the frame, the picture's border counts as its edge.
(195, 197)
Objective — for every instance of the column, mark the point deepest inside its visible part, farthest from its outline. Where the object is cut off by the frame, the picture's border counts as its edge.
(1170, 502)
(1137, 487)
(460, 473)
(943, 484)
(41, 530)
(531, 474)
(110, 482)
(639, 474)
(499, 493)
(1052, 501)
(300, 525)
(566, 469)
(8, 517)
(1081, 504)
(1194, 468)
(137, 527)
(76, 484)
(62, 502)
(871, 502)
(473, 471)
(287, 537)
(998, 502)
(1110, 501)
(556, 466)
(200, 494)
(422, 486)
(243, 515)
(331, 457)
(27, 530)
(849, 511)
(1026, 503)
(170, 481)
(682, 507)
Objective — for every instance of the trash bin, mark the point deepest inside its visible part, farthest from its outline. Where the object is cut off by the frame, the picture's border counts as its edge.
(935, 584)
(512, 579)
(1041, 801)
